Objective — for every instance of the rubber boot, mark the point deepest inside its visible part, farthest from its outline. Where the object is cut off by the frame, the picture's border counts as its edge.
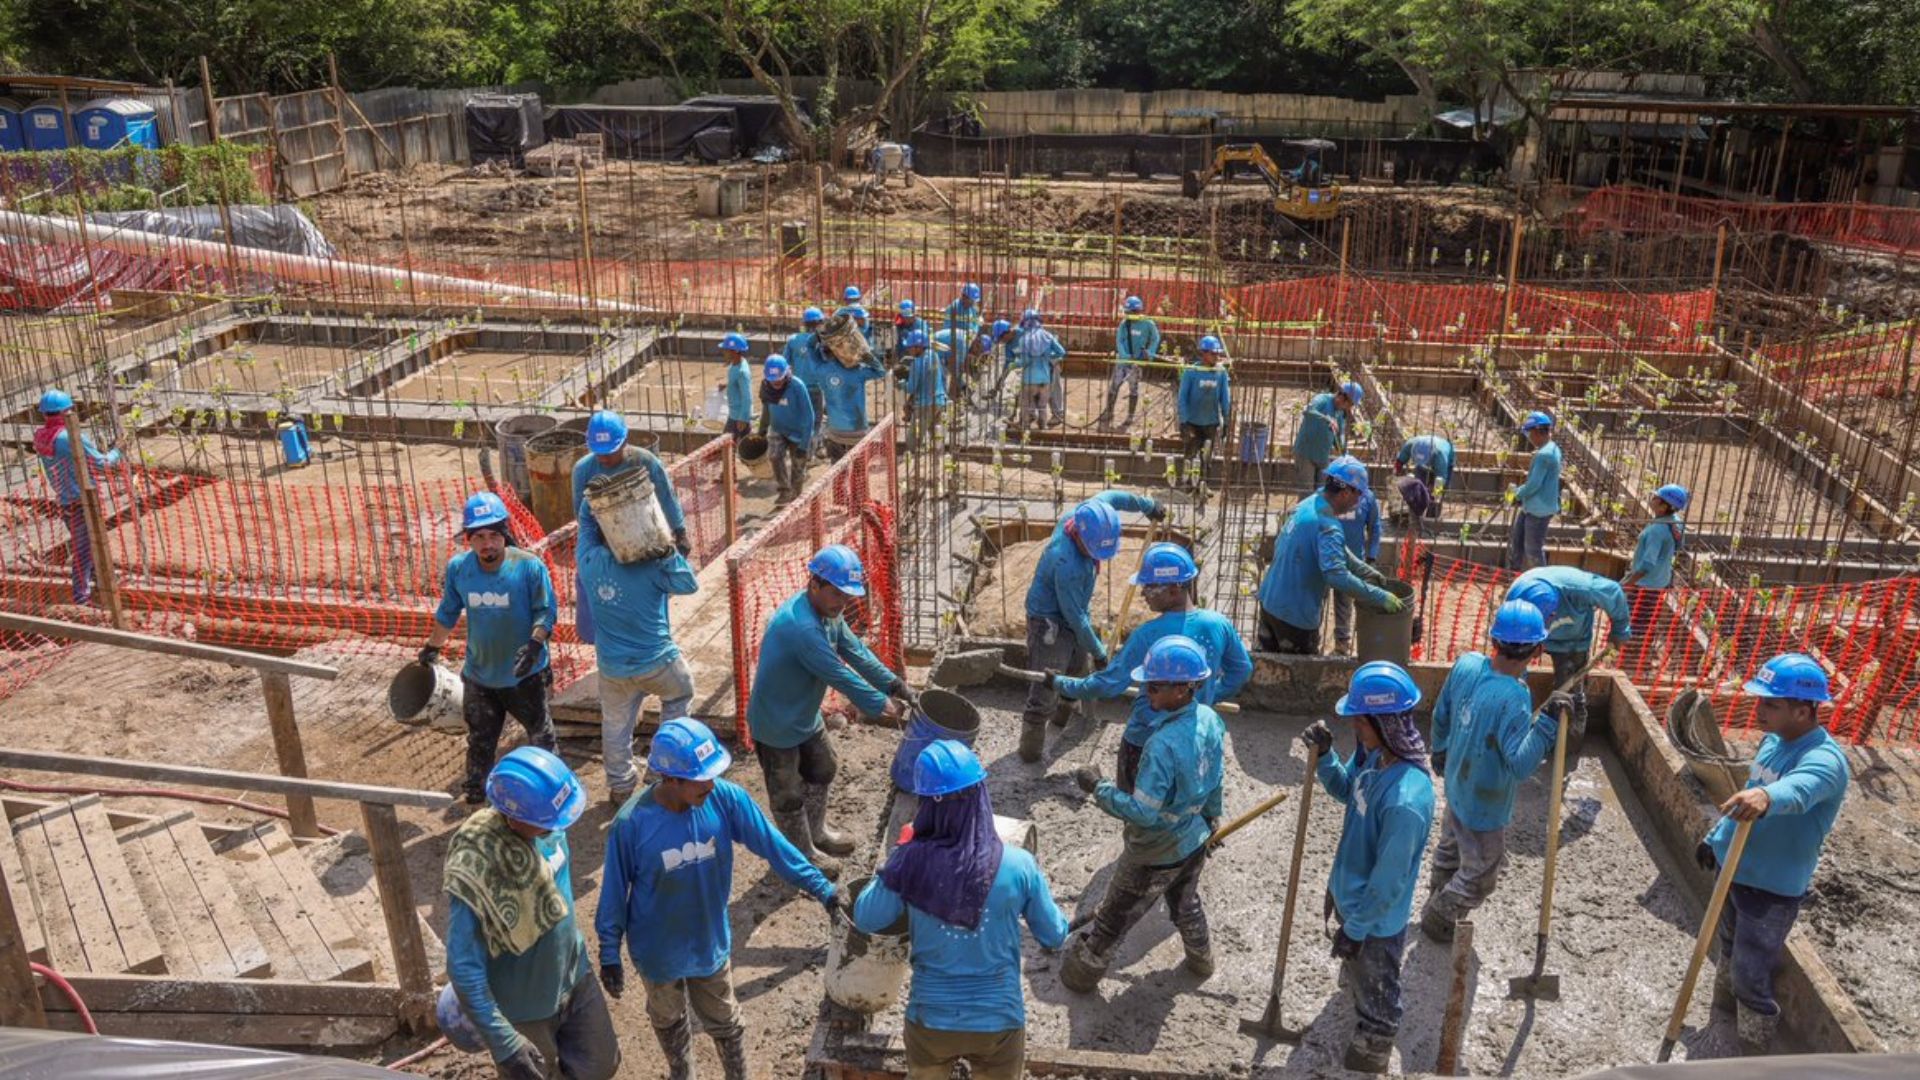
(828, 840)
(733, 1055)
(1435, 924)
(1033, 739)
(1081, 968)
(1133, 403)
(676, 1043)
(1723, 999)
(1106, 414)
(1063, 712)
(1437, 879)
(1200, 962)
(793, 825)
(1755, 1030)
(1368, 1053)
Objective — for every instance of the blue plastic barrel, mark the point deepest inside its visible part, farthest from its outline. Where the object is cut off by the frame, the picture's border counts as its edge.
(293, 443)
(1254, 440)
(942, 715)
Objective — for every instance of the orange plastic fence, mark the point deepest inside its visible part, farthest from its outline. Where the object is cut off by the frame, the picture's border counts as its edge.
(1868, 360)
(1860, 225)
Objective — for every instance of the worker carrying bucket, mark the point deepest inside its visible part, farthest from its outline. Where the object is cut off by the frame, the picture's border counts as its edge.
(609, 454)
(1310, 556)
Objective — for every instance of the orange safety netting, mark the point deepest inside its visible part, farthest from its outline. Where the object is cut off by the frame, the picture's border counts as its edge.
(1860, 225)
(1868, 360)
(852, 503)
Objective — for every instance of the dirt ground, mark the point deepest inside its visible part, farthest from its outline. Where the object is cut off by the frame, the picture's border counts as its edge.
(1000, 600)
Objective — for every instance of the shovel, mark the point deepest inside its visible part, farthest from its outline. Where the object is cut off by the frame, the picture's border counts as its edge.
(1213, 841)
(1271, 1023)
(1708, 927)
(1132, 691)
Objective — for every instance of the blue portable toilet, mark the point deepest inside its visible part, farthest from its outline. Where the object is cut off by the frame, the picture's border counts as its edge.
(294, 448)
(12, 135)
(114, 122)
(46, 126)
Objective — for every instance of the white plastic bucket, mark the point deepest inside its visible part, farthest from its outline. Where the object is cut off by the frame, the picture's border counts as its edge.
(842, 340)
(427, 694)
(713, 411)
(865, 972)
(630, 517)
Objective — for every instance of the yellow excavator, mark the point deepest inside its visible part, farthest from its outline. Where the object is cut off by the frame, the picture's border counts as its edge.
(1303, 193)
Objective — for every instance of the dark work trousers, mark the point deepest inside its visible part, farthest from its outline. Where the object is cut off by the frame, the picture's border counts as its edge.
(485, 709)
(1196, 439)
(80, 543)
(578, 1042)
(1127, 769)
(1564, 665)
(737, 429)
(1277, 636)
(1373, 978)
(1131, 893)
(1753, 933)
(1051, 646)
(789, 771)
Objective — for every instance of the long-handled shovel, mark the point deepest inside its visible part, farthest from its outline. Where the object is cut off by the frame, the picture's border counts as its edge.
(1132, 691)
(1213, 841)
(1271, 1023)
(1708, 926)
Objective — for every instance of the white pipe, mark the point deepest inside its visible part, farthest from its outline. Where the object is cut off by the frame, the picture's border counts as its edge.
(306, 268)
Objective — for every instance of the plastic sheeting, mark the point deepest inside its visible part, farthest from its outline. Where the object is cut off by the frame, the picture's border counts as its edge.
(759, 115)
(270, 228)
(503, 127)
(27, 1054)
(641, 132)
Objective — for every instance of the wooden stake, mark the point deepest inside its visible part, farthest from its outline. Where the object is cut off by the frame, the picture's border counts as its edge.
(1272, 1022)
(97, 547)
(339, 116)
(403, 924)
(1454, 1023)
(278, 692)
(1513, 275)
(19, 998)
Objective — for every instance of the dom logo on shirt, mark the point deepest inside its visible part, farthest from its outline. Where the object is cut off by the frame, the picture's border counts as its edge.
(687, 854)
(489, 600)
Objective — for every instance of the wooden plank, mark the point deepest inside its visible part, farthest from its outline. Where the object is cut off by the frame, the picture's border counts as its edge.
(252, 875)
(56, 920)
(403, 924)
(83, 765)
(126, 914)
(201, 913)
(169, 926)
(246, 954)
(278, 691)
(26, 906)
(68, 631)
(19, 1005)
(86, 908)
(305, 1033)
(316, 907)
(164, 994)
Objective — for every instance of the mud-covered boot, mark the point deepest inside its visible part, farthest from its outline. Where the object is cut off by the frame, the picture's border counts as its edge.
(1033, 739)
(676, 1043)
(1437, 878)
(1133, 403)
(831, 841)
(1200, 961)
(793, 825)
(1723, 999)
(733, 1055)
(1368, 1053)
(1435, 923)
(1080, 967)
(1755, 1030)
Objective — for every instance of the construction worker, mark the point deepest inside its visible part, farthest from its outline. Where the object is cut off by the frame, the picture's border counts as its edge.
(1323, 432)
(964, 316)
(1037, 353)
(1486, 742)
(1166, 576)
(859, 316)
(1136, 339)
(1205, 399)
(1360, 529)
(517, 962)
(849, 300)
(1651, 571)
(846, 392)
(1430, 459)
(634, 647)
(1002, 335)
(507, 596)
(1538, 499)
(786, 419)
(808, 360)
(1060, 631)
(1170, 815)
(961, 354)
(739, 386)
(1388, 793)
(667, 882)
(905, 324)
(53, 445)
(808, 647)
(964, 893)
(926, 386)
(608, 454)
(1793, 795)
(1310, 555)
(1567, 597)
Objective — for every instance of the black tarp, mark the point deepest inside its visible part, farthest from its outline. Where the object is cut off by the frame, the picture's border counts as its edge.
(503, 127)
(716, 144)
(641, 132)
(760, 116)
(1146, 156)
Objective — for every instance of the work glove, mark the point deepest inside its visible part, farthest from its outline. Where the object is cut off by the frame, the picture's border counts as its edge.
(525, 1063)
(1439, 760)
(1318, 736)
(1703, 854)
(1101, 659)
(1559, 704)
(613, 979)
(1512, 496)
(1344, 947)
(680, 542)
(1439, 488)
(1087, 777)
(1156, 512)
(1050, 679)
(1393, 605)
(904, 693)
(526, 658)
(839, 905)
(427, 655)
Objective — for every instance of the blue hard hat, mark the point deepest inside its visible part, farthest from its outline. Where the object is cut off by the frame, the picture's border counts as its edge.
(55, 401)
(839, 566)
(1673, 495)
(1518, 623)
(776, 368)
(1166, 564)
(1354, 392)
(1001, 326)
(944, 767)
(971, 292)
(915, 340)
(1794, 676)
(734, 343)
(812, 314)
(1378, 687)
(1537, 592)
(1536, 420)
(686, 750)
(1348, 470)
(1098, 527)
(483, 509)
(534, 786)
(906, 307)
(606, 432)
(1030, 317)
(850, 293)
(1175, 658)
(1211, 344)
(455, 1024)
(1134, 303)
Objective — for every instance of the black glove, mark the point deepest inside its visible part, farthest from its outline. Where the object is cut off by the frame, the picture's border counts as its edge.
(1318, 736)
(839, 905)
(1087, 777)
(1706, 858)
(428, 654)
(526, 658)
(526, 1063)
(1559, 705)
(1050, 679)
(1156, 512)
(1439, 760)
(613, 979)
(1344, 947)
(680, 542)
(1101, 660)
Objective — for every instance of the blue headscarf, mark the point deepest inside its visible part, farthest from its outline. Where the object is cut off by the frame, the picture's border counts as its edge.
(948, 867)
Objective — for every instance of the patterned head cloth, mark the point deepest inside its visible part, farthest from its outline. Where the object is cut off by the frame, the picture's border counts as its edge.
(1402, 737)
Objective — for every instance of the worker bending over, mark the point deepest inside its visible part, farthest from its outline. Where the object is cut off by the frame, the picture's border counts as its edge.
(1360, 529)
(1205, 399)
(1538, 498)
(1165, 578)
(667, 883)
(1323, 432)
(786, 419)
(517, 962)
(1135, 340)
(963, 892)
(1388, 794)
(925, 385)
(1170, 815)
(1567, 598)
(1486, 742)
(609, 454)
(507, 596)
(53, 444)
(1793, 795)
(1310, 556)
(1037, 353)
(808, 648)
(739, 386)
(1060, 631)
(1651, 571)
(1430, 459)
(963, 323)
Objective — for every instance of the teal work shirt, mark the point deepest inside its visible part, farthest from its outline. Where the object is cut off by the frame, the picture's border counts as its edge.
(1485, 722)
(927, 379)
(1807, 780)
(792, 416)
(1037, 352)
(1540, 495)
(632, 634)
(800, 657)
(1226, 657)
(740, 392)
(1205, 396)
(503, 608)
(1581, 594)
(1653, 553)
(1309, 557)
(1136, 338)
(500, 991)
(1062, 586)
(1323, 431)
(803, 355)
(632, 457)
(1383, 839)
(1428, 452)
(846, 394)
(1178, 790)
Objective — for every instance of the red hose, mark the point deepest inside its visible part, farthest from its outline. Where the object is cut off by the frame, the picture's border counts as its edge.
(421, 1054)
(79, 1006)
(154, 792)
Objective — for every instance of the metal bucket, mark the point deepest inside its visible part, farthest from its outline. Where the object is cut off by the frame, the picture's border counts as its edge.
(842, 339)
(943, 714)
(866, 971)
(630, 516)
(427, 694)
(511, 436)
(752, 455)
(1380, 636)
(550, 459)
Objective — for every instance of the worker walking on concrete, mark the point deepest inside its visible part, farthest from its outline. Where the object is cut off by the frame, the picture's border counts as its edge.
(507, 596)
(739, 386)
(846, 390)
(52, 443)
(808, 647)
(808, 360)
(1360, 529)
(1793, 795)
(516, 960)
(1323, 432)
(1136, 339)
(667, 883)
(1310, 556)
(1388, 793)
(634, 648)
(1037, 353)
(1166, 576)
(926, 387)
(1060, 631)
(1538, 499)
(1170, 815)
(1205, 400)
(906, 323)
(964, 893)
(786, 419)
(1486, 742)
(1430, 459)
(1567, 597)
(608, 454)
(1651, 571)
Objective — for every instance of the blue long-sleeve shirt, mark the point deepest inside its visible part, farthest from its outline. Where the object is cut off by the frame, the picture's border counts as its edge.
(1205, 396)
(1309, 557)
(1540, 495)
(632, 633)
(632, 457)
(503, 608)
(740, 392)
(1361, 527)
(846, 394)
(1214, 632)
(1062, 588)
(499, 991)
(669, 877)
(59, 465)
(963, 316)
(1136, 338)
(1178, 789)
(1581, 594)
(1428, 452)
(1806, 779)
(927, 380)
(792, 416)
(1485, 722)
(1323, 431)
(1383, 839)
(902, 329)
(1653, 552)
(969, 980)
(1037, 352)
(800, 657)
(804, 355)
